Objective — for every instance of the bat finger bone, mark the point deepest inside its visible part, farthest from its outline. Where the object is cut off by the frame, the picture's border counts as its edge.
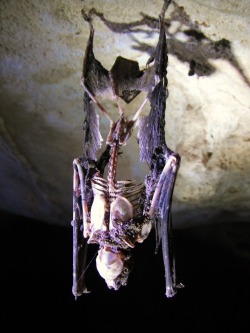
(170, 167)
(76, 186)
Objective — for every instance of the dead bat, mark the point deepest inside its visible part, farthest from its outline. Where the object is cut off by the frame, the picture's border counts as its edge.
(112, 213)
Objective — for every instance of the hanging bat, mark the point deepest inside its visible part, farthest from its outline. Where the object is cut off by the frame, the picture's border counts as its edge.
(117, 214)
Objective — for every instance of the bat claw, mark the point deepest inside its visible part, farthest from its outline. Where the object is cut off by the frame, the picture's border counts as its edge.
(170, 292)
(79, 292)
(180, 285)
(86, 291)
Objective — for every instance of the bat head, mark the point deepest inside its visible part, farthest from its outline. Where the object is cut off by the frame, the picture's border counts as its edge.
(110, 265)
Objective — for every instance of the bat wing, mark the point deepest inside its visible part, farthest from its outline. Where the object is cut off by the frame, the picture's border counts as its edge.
(151, 133)
(125, 79)
(92, 137)
(96, 78)
(163, 163)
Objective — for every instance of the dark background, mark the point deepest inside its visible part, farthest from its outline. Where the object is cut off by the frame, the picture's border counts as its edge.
(213, 262)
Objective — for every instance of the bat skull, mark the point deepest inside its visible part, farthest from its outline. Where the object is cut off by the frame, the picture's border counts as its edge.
(109, 265)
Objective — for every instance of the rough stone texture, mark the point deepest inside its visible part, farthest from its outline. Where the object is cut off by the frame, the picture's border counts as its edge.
(208, 113)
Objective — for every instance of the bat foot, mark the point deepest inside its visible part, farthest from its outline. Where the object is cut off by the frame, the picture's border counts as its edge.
(78, 293)
(170, 292)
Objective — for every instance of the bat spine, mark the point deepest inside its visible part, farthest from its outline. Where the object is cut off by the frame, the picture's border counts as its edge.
(111, 176)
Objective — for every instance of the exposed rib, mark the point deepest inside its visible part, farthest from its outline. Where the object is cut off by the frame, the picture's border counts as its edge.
(126, 188)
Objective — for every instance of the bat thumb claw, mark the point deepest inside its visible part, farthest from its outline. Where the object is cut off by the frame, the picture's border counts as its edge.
(180, 285)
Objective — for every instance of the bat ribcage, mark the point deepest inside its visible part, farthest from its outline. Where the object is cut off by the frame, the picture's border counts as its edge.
(114, 214)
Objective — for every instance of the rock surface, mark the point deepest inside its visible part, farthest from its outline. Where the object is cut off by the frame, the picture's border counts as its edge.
(207, 116)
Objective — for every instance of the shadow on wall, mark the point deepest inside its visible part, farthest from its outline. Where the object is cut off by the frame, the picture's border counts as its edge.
(196, 50)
